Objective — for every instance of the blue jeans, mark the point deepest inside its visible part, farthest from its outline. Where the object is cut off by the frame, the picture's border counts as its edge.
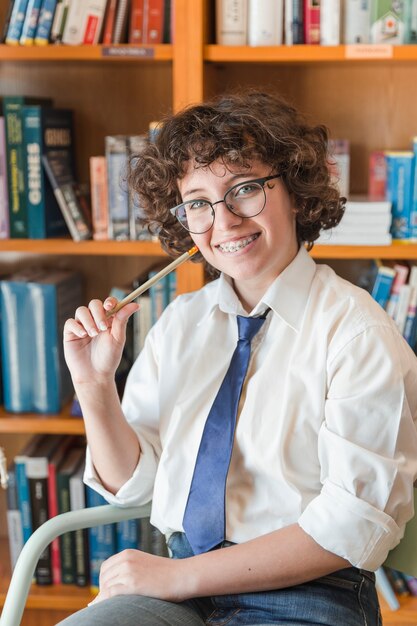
(345, 598)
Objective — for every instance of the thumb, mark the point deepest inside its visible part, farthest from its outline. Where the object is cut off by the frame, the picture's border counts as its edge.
(120, 320)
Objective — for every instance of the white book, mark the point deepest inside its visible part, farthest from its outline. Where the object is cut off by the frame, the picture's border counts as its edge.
(330, 19)
(380, 221)
(73, 34)
(76, 489)
(357, 21)
(288, 20)
(385, 589)
(331, 238)
(231, 22)
(265, 22)
(361, 204)
(358, 229)
(402, 307)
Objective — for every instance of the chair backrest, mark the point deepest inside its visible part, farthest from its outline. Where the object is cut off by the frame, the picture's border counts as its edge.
(404, 556)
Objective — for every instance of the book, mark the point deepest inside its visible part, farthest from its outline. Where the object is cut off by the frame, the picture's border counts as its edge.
(377, 175)
(59, 171)
(399, 191)
(135, 21)
(45, 131)
(43, 29)
(102, 540)
(4, 194)
(127, 535)
(312, 21)
(153, 21)
(73, 33)
(14, 517)
(232, 22)
(12, 107)
(80, 543)
(109, 20)
(339, 164)
(135, 144)
(383, 284)
(357, 21)
(34, 307)
(293, 22)
(401, 275)
(59, 21)
(6, 23)
(384, 587)
(332, 238)
(60, 453)
(37, 475)
(99, 198)
(95, 11)
(22, 484)
(330, 22)
(116, 149)
(387, 22)
(121, 21)
(265, 22)
(401, 311)
(65, 470)
(17, 18)
(27, 36)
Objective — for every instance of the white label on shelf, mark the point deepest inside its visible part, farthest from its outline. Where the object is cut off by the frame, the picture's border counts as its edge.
(368, 51)
(128, 51)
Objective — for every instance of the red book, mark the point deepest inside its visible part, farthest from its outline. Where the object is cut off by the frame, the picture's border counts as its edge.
(377, 175)
(136, 21)
(312, 21)
(153, 28)
(109, 22)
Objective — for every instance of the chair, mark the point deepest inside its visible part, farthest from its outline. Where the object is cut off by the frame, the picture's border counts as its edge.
(402, 558)
(25, 567)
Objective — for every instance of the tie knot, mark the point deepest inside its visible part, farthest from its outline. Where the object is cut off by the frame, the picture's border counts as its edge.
(248, 327)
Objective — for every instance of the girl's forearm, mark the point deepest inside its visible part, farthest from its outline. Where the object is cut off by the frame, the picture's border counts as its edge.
(279, 559)
(113, 444)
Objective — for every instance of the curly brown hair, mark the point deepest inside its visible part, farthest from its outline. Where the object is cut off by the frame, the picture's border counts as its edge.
(236, 129)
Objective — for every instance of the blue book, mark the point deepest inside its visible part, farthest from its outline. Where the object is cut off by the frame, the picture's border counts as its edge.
(14, 518)
(34, 307)
(127, 535)
(102, 540)
(45, 21)
(383, 283)
(16, 22)
(22, 485)
(45, 131)
(31, 20)
(159, 294)
(116, 149)
(400, 173)
(413, 219)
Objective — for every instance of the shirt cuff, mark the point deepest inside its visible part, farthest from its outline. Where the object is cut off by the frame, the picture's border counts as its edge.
(137, 490)
(350, 527)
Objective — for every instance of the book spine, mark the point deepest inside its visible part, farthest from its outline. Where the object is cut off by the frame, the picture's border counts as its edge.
(109, 23)
(399, 191)
(27, 36)
(136, 22)
(120, 21)
(37, 474)
(330, 20)
(154, 33)
(56, 22)
(77, 499)
(387, 22)
(45, 21)
(312, 21)
(94, 17)
(413, 215)
(158, 294)
(53, 511)
(23, 497)
(75, 24)
(4, 194)
(102, 540)
(265, 22)
(32, 140)
(16, 22)
(127, 535)
(232, 22)
(401, 274)
(14, 518)
(61, 20)
(66, 540)
(99, 198)
(402, 307)
(117, 163)
(378, 175)
(15, 168)
(7, 21)
(357, 21)
(383, 284)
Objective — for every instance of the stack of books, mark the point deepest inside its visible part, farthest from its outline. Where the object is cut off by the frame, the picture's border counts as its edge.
(366, 222)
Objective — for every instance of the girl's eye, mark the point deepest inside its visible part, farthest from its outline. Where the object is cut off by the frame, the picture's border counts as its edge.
(198, 204)
(246, 189)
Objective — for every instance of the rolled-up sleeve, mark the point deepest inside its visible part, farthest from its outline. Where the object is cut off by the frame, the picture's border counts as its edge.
(141, 409)
(367, 447)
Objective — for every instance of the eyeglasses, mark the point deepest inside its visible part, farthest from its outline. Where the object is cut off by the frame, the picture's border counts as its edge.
(245, 199)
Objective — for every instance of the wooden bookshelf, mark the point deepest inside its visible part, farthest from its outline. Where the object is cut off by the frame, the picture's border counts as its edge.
(116, 52)
(31, 423)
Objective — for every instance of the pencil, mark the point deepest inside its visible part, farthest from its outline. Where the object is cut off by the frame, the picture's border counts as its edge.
(152, 281)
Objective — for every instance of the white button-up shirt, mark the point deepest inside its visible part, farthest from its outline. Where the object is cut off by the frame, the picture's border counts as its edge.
(326, 434)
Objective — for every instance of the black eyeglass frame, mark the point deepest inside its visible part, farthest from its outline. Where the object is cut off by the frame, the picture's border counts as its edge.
(260, 181)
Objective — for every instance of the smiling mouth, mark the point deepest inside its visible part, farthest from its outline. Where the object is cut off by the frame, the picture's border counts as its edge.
(235, 246)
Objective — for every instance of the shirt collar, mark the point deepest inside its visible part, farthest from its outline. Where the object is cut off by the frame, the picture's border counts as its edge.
(287, 296)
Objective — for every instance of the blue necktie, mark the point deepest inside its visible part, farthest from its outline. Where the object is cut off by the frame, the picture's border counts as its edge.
(204, 517)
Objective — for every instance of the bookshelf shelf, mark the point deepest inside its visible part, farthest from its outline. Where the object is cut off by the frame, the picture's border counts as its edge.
(395, 251)
(119, 52)
(90, 248)
(405, 616)
(31, 423)
(309, 53)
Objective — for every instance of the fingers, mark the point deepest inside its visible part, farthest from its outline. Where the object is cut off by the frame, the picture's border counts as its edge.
(91, 320)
